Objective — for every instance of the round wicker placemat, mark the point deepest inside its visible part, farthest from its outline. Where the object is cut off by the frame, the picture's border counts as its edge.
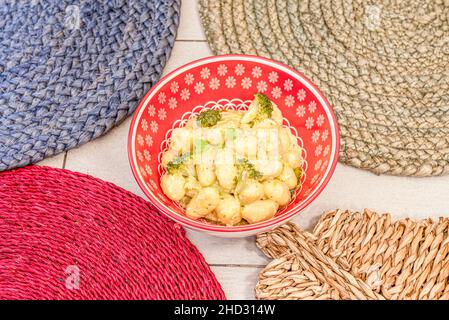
(382, 64)
(72, 70)
(66, 235)
(351, 255)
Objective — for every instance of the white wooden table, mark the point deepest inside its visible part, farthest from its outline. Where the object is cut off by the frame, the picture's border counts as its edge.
(236, 262)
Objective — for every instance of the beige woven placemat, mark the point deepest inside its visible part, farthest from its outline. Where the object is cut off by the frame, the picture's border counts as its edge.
(382, 64)
(357, 256)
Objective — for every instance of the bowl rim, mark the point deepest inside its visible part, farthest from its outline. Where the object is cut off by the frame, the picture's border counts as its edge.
(200, 226)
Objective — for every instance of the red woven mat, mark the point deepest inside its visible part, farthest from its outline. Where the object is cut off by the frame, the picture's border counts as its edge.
(65, 235)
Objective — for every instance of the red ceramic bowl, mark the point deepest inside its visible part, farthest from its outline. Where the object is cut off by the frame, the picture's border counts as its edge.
(230, 81)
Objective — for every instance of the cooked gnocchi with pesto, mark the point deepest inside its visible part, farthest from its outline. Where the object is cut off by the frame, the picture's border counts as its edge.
(233, 167)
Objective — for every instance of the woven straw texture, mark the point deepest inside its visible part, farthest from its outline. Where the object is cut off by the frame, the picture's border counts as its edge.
(65, 235)
(382, 64)
(357, 256)
(72, 70)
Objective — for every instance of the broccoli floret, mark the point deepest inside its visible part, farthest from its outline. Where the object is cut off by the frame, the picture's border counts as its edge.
(208, 118)
(245, 165)
(265, 106)
(178, 164)
(298, 173)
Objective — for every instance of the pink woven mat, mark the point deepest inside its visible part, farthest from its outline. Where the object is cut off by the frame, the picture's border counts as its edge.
(65, 235)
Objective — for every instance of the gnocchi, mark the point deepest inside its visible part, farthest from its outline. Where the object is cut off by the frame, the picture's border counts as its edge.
(228, 210)
(173, 186)
(219, 168)
(259, 210)
(278, 191)
(203, 203)
(250, 192)
(288, 176)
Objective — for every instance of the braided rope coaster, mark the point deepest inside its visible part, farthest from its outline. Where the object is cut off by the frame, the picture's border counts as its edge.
(72, 70)
(382, 64)
(357, 256)
(66, 235)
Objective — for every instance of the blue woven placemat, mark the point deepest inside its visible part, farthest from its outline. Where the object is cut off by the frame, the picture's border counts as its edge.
(72, 70)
